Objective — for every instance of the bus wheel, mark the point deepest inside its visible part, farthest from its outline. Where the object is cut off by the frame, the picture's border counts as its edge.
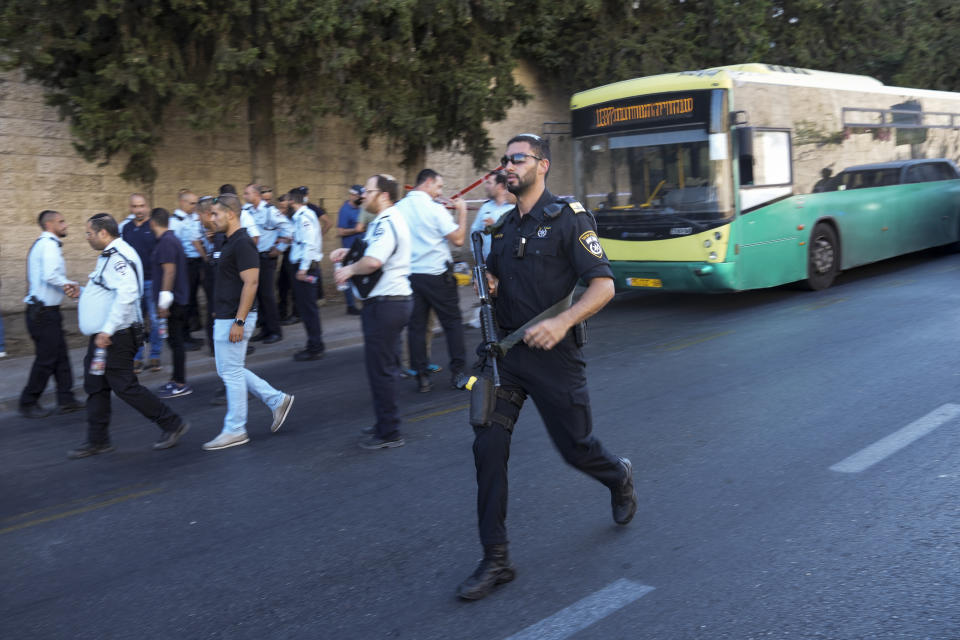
(823, 258)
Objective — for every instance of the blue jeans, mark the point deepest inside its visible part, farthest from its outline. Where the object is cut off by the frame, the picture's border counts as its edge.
(156, 344)
(237, 379)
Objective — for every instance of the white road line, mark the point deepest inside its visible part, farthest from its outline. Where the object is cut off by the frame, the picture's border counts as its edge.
(881, 449)
(583, 613)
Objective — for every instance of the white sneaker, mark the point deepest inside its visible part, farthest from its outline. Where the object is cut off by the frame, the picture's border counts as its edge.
(280, 413)
(226, 440)
(3, 354)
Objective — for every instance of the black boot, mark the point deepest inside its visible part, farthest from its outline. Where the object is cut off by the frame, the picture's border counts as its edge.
(623, 498)
(494, 569)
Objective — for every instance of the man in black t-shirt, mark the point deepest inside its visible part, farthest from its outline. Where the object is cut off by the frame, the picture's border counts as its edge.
(171, 295)
(235, 316)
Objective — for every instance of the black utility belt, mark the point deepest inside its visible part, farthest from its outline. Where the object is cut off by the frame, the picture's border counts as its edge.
(388, 299)
(265, 254)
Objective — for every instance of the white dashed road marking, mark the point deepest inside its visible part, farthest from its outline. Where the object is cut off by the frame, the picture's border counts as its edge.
(866, 458)
(583, 613)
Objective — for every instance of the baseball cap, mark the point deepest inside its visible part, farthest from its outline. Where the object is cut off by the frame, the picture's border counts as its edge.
(356, 190)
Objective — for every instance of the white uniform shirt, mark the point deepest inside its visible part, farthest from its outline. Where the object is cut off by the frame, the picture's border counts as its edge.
(248, 223)
(111, 300)
(306, 239)
(388, 240)
(272, 224)
(46, 271)
(429, 224)
(489, 209)
(187, 227)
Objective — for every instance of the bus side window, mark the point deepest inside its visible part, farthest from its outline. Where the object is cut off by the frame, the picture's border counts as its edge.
(915, 174)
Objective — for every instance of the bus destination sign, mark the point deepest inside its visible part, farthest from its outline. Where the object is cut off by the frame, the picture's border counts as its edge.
(642, 112)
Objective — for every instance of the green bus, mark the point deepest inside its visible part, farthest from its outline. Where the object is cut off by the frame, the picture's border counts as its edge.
(755, 175)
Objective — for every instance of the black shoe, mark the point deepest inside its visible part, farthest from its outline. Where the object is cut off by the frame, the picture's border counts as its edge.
(353, 311)
(369, 431)
(273, 337)
(220, 397)
(376, 442)
(70, 407)
(289, 321)
(459, 380)
(34, 411)
(169, 438)
(423, 383)
(258, 336)
(624, 498)
(88, 449)
(494, 569)
(250, 349)
(306, 354)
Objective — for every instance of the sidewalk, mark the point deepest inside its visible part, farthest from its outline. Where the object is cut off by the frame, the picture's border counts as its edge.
(339, 330)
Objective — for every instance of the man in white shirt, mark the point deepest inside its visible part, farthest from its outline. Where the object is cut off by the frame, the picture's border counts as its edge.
(431, 274)
(47, 280)
(277, 233)
(185, 223)
(110, 313)
(499, 202)
(386, 306)
(305, 256)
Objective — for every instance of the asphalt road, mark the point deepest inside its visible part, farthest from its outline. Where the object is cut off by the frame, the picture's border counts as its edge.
(733, 408)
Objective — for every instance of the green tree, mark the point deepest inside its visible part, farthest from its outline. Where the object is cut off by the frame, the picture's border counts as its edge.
(427, 72)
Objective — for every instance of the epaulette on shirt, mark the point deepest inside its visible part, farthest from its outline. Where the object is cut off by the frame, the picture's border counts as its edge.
(499, 223)
(553, 209)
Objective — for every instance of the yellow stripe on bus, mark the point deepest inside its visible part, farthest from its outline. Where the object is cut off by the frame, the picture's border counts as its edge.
(680, 249)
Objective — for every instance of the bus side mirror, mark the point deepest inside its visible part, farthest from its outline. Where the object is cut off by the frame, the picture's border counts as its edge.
(744, 138)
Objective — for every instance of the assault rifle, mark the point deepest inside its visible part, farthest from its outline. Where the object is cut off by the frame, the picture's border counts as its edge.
(489, 350)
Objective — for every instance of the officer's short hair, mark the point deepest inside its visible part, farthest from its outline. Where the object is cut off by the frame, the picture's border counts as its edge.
(228, 188)
(423, 176)
(161, 217)
(205, 203)
(297, 195)
(45, 216)
(229, 201)
(389, 185)
(539, 146)
(104, 222)
(499, 177)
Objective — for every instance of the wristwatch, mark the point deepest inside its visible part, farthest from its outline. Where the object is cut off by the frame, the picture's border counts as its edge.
(238, 321)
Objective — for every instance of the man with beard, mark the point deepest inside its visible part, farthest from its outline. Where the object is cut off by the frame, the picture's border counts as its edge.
(539, 251)
(47, 282)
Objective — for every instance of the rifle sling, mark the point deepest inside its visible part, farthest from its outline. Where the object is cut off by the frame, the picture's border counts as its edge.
(516, 336)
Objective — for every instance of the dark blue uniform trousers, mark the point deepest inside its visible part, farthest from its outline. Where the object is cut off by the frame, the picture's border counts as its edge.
(46, 329)
(556, 381)
(383, 323)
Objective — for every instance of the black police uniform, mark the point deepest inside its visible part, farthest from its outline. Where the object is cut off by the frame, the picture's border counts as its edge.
(538, 260)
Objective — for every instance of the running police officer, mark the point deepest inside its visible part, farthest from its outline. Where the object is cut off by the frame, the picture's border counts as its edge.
(386, 306)
(306, 255)
(47, 281)
(110, 313)
(539, 251)
(276, 233)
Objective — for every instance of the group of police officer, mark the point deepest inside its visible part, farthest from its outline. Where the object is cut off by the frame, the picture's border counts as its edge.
(539, 249)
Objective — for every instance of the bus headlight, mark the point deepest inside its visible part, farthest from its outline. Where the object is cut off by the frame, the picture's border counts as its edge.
(707, 244)
(717, 235)
(713, 255)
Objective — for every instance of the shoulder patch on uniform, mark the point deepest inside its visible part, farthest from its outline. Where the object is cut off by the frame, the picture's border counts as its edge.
(577, 207)
(120, 267)
(378, 231)
(591, 243)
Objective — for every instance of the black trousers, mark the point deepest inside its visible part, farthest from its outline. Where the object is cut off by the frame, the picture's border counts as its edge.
(266, 295)
(176, 331)
(119, 378)
(556, 381)
(440, 294)
(305, 298)
(288, 272)
(46, 330)
(383, 322)
(192, 312)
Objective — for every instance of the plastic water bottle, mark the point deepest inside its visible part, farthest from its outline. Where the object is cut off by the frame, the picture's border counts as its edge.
(98, 364)
(310, 279)
(343, 286)
(162, 328)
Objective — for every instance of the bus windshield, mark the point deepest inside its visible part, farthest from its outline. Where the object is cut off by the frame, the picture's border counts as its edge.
(635, 179)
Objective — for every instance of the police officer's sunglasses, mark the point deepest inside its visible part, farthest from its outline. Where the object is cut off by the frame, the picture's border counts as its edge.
(517, 158)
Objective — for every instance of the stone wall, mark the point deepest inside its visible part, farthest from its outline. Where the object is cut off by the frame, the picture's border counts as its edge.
(41, 170)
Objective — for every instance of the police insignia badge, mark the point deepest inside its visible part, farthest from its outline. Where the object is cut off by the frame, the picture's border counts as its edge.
(378, 231)
(541, 233)
(591, 243)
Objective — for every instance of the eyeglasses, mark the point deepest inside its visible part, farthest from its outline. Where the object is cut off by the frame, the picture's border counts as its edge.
(369, 191)
(516, 158)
